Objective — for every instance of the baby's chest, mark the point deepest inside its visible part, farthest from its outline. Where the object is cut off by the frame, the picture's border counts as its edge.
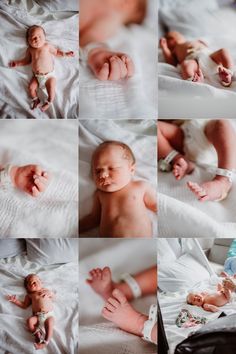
(123, 200)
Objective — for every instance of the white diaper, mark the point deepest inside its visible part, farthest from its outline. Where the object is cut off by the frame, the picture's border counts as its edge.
(42, 78)
(206, 64)
(42, 316)
(197, 148)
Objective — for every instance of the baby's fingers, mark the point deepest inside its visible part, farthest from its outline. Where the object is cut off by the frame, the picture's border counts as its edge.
(129, 65)
(40, 183)
(35, 192)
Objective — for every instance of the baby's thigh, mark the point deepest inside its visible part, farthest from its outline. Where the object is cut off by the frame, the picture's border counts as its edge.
(33, 85)
(189, 67)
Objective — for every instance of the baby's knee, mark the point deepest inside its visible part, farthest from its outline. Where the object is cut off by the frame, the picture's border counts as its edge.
(224, 52)
(222, 125)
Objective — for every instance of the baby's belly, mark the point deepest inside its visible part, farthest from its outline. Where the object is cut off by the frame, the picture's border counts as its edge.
(126, 226)
(217, 301)
(42, 66)
(42, 306)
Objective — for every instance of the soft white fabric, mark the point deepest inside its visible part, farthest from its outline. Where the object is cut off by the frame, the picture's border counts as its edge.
(178, 206)
(10, 248)
(97, 334)
(141, 138)
(62, 31)
(52, 251)
(54, 145)
(216, 27)
(132, 98)
(59, 5)
(63, 280)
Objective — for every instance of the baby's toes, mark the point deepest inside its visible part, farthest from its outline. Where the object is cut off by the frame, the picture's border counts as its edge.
(103, 73)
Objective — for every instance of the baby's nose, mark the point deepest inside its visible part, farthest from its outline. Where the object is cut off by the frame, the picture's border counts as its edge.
(104, 174)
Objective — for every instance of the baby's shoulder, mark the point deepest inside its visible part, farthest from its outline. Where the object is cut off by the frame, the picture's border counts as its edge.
(140, 184)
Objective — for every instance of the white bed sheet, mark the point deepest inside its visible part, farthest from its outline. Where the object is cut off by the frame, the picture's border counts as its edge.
(220, 33)
(62, 279)
(139, 135)
(96, 335)
(178, 206)
(62, 31)
(132, 98)
(54, 145)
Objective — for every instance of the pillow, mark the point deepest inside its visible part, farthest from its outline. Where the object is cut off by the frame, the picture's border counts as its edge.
(11, 247)
(59, 5)
(184, 273)
(52, 251)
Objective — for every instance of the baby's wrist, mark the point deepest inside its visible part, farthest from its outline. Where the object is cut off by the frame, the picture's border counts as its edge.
(13, 174)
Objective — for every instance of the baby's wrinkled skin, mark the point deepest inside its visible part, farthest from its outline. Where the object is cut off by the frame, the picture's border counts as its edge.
(210, 302)
(40, 55)
(99, 20)
(120, 204)
(41, 300)
(31, 179)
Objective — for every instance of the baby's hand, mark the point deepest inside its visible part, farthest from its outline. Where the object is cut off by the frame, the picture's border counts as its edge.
(12, 64)
(70, 54)
(163, 42)
(11, 298)
(30, 179)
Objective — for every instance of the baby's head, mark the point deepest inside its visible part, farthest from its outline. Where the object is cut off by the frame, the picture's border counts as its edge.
(113, 165)
(36, 36)
(174, 37)
(195, 299)
(32, 283)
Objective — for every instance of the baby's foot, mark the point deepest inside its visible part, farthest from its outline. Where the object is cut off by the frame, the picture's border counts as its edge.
(45, 106)
(214, 190)
(35, 103)
(107, 65)
(120, 312)
(101, 282)
(225, 76)
(198, 76)
(181, 167)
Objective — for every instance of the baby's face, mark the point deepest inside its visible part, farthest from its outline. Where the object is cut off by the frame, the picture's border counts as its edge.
(36, 38)
(34, 283)
(195, 299)
(111, 170)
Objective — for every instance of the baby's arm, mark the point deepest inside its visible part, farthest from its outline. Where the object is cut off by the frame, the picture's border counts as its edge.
(210, 308)
(24, 61)
(150, 198)
(59, 53)
(22, 304)
(91, 220)
(169, 57)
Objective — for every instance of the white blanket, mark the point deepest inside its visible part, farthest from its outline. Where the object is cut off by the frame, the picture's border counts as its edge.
(132, 98)
(141, 138)
(54, 145)
(96, 334)
(62, 31)
(14, 336)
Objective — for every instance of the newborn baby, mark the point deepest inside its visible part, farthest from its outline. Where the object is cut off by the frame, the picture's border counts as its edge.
(40, 55)
(210, 302)
(99, 20)
(30, 178)
(120, 204)
(42, 321)
(196, 59)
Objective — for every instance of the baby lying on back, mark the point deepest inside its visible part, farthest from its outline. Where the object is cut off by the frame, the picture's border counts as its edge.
(210, 302)
(120, 206)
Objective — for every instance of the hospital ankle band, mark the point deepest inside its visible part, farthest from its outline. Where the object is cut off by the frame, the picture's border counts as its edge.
(5, 178)
(149, 324)
(164, 164)
(135, 288)
(225, 173)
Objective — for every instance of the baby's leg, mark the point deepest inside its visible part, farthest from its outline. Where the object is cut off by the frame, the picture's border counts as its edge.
(108, 65)
(33, 87)
(102, 284)
(223, 58)
(32, 323)
(51, 90)
(171, 137)
(190, 71)
(49, 323)
(223, 137)
(119, 311)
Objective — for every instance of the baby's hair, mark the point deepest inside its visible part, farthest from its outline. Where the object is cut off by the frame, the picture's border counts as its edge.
(128, 153)
(31, 28)
(187, 300)
(27, 279)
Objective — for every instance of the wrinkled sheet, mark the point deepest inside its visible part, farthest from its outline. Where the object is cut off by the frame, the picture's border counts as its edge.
(62, 31)
(54, 145)
(14, 336)
(96, 335)
(139, 135)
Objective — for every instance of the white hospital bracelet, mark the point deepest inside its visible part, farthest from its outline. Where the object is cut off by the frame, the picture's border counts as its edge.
(135, 288)
(149, 324)
(5, 178)
(164, 164)
(224, 172)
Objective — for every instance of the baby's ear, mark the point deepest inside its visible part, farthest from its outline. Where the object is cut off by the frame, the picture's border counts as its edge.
(133, 168)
